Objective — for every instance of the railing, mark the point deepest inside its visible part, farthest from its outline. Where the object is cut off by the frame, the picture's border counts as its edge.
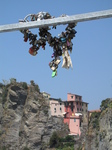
(57, 21)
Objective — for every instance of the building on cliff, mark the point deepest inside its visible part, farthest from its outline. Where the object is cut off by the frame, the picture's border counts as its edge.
(46, 95)
(74, 111)
(56, 107)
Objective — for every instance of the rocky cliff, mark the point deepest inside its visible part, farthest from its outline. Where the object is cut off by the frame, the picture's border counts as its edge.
(25, 120)
(98, 134)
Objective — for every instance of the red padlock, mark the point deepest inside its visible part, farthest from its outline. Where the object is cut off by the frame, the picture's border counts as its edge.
(25, 39)
(32, 51)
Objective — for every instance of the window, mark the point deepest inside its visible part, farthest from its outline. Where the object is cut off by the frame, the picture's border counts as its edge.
(72, 108)
(66, 104)
(60, 103)
(79, 98)
(74, 120)
(82, 104)
(60, 109)
(77, 103)
(80, 109)
(80, 123)
(72, 97)
(69, 104)
(77, 109)
(66, 108)
(76, 97)
(55, 110)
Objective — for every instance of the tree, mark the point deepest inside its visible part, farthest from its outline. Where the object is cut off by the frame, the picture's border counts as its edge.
(12, 80)
(37, 88)
(24, 85)
(54, 140)
(32, 83)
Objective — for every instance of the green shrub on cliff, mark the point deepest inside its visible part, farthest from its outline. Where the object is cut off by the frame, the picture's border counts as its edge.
(37, 88)
(95, 119)
(66, 143)
(24, 85)
(105, 104)
(4, 94)
(54, 140)
(26, 148)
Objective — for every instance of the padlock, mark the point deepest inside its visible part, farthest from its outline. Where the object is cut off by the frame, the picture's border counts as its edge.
(25, 39)
(57, 61)
(63, 39)
(54, 73)
(32, 51)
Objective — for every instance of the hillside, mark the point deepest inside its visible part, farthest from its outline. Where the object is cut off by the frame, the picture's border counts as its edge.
(25, 120)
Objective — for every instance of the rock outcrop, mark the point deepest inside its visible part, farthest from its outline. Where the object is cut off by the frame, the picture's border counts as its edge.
(98, 133)
(25, 120)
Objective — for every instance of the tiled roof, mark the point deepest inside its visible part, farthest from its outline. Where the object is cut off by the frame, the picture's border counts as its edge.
(98, 110)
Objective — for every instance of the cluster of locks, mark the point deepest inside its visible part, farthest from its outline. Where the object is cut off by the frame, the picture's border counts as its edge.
(61, 45)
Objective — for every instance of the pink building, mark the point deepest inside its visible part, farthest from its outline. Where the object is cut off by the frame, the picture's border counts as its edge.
(75, 112)
(56, 107)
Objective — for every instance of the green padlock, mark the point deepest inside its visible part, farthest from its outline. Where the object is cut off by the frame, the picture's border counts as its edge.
(54, 73)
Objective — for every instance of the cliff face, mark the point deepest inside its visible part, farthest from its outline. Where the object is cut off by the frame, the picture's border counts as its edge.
(25, 120)
(99, 134)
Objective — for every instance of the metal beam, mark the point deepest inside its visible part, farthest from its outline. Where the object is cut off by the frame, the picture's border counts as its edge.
(57, 21)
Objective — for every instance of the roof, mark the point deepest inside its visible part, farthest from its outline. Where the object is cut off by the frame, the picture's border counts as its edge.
(46, 93)
(98, 110)
(78, 114)
(75, 101)
(74, 94)
(85, 102)
(56, 99)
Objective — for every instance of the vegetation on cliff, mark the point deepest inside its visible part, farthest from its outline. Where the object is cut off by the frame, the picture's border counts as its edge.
(61, 143)
(99, 134)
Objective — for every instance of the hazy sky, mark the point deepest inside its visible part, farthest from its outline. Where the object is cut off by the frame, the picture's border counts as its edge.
(91, 76)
